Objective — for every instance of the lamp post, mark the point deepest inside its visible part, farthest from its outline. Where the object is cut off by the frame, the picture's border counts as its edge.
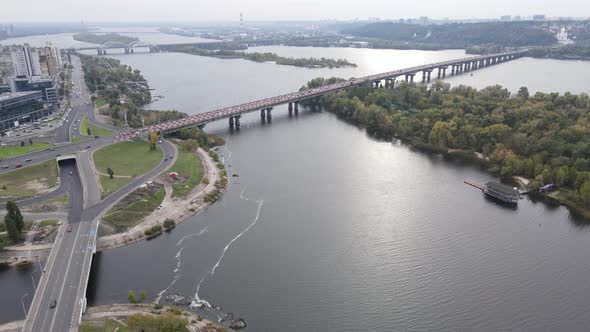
(22, 301)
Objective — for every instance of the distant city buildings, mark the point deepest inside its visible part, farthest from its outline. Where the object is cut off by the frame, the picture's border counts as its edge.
(539, 17)
(7, 29)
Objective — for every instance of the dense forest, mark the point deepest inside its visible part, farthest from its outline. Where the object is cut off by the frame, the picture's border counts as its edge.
(124, 89)
(104, 38)
(225, 53)
(545, 136)
(457, 35)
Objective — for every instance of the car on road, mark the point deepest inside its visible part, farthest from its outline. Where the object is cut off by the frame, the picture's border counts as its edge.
(57, 155)
(96, 136)
(18, 166)
(5, 166)
(71, 173)
(53, 304)
(69, 229)
(27, 160)
(89, 147)
(3, 144)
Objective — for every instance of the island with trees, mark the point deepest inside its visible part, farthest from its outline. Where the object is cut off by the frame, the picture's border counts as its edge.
(544, 137)
(120, 91)
(103, 38)
(225, 53)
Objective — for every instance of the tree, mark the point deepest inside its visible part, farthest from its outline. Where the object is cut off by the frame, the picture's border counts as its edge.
(110, 172)
(189, 145)
(14, 222)
(153, 137)
(523, 93)
(131, 297)
(142, 296)
(22, 143)
(585, 193)
(30, 141)
(88, 131)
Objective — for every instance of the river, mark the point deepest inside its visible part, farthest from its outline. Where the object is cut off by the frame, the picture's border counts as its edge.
(326, 228)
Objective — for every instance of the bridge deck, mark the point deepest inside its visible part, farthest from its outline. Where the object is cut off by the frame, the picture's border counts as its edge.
(231, 111)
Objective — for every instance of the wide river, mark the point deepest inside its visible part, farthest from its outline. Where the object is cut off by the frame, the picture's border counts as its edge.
(326, 228)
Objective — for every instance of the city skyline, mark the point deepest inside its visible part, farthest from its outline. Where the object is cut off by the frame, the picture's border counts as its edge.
(288, 10)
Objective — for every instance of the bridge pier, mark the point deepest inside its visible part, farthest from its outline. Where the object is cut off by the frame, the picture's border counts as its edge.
(231, 122)
(263, 115)
(237, 121)
(296, 108)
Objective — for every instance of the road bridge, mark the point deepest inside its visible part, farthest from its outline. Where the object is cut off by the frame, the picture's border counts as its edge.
(265, 106)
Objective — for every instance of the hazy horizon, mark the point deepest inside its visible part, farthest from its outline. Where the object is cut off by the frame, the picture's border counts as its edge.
(187, 11)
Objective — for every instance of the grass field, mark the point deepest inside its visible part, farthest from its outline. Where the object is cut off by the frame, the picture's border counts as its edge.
(130, 158)
(17, 150)
(100, 102)
(28, 181)
(94, 130)
(132, 209)
(109, 185)
(189, 166)
(80, 139)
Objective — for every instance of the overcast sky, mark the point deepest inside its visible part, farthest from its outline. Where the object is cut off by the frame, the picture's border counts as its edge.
(256, 10)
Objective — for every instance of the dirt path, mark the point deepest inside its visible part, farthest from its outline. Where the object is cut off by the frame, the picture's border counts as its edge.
(178, 209)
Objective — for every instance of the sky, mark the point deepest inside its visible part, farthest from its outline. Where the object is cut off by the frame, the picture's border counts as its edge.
(276, 10)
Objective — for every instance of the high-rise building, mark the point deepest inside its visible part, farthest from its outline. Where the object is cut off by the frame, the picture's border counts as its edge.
(539, 17)
(26, 61)
(505, 18)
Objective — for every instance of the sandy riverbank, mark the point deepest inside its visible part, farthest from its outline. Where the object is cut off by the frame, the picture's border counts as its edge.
(120, 312)
(178, 209)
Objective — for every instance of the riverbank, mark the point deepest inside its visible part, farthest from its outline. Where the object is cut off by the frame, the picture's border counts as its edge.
(117, 315)
(178, 209)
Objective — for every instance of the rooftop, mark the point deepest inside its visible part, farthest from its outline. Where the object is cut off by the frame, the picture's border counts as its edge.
(502, 188)
(10, 95)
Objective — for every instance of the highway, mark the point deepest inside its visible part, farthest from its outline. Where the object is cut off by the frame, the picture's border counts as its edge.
(62, 276)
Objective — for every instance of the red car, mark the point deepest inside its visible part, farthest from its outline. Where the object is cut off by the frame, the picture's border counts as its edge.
(69, 229)
(18, 166)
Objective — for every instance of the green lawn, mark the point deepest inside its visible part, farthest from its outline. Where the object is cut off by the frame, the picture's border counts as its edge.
(17, 150)
(132, 158)
(132, 209)
(189, 166)
(109, 185)
(80, 139)
(29, 180)
(99, 102)
(94, 130)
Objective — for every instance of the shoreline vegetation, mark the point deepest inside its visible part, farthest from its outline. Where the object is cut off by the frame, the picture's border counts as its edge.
(544, 137)
(100, 39)
(226, 53)
(120, 91)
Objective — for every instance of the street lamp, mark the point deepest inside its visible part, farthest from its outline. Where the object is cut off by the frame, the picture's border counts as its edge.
(23, 303)
(33, 279)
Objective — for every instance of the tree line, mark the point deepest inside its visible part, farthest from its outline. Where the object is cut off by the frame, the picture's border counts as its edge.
(545, 136)
(458, 35)
(125, 90)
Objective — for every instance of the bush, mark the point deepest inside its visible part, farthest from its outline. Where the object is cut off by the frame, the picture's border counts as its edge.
(158, 306)
(153, 230)
(175, 310)
(169, 223)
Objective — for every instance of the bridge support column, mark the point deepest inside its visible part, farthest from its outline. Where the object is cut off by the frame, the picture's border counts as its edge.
(290, 109)
(412, 77)
(428, 75)
(296, 108)
(424, 76)
(237, 121)
(231, 122)
(262, 115)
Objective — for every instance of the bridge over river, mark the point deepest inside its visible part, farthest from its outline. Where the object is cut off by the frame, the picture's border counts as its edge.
(456, 66)
(69, 264)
